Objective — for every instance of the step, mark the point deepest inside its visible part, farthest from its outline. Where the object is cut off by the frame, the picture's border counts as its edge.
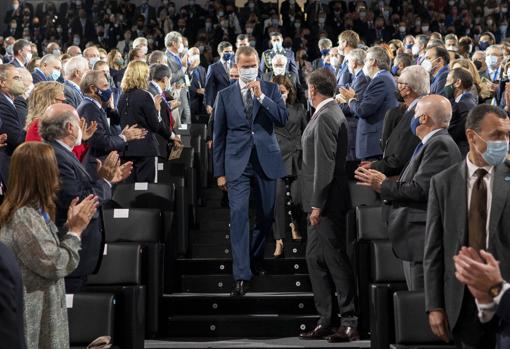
(243, 326)
(224, 266)
(222, 249)
(222, 283)
(288, 303)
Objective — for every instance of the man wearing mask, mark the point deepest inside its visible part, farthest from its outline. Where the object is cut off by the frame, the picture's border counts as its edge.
(419, 48)
(74, 69)
(486, 39)
(11, 86)
(247, 156)
(54, 49)
(92, 55)
(217, 74)
(21, 101)
(348, 40)
(197, 76)
(458, 91)
(325, 46)
(174, 50)
(436, 64)
(49, 69)
(493, 59)
(279, 64)
(277, 48)
(97, 106)
(22, 53)
(475, 216)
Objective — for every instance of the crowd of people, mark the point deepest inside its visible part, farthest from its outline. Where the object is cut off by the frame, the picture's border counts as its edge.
(409, 98)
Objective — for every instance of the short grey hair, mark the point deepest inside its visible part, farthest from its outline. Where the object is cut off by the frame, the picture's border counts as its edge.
(172, 37)
(422, 40)
(278, 57)
(48, 59)
(74, 64)
(140, 40)
(417, 78)
(380, 56)
(495, 47)
(357, 55)
(325, 43)
(55, 127)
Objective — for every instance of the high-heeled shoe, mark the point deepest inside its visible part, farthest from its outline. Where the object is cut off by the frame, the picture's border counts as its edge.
(278, 252)
(295, 233)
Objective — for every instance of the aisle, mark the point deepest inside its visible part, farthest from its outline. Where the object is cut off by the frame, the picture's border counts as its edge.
(291, 342)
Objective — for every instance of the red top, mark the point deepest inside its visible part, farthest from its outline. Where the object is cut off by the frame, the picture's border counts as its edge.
(33, 136)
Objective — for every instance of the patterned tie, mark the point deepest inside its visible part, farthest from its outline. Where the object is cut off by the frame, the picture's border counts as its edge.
(477, 217)
(248, 105)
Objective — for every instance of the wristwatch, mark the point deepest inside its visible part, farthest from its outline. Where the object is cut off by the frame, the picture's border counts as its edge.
(495, 290)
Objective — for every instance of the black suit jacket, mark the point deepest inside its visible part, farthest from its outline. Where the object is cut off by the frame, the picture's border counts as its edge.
(408, 196)
(457, 127)
(21, 109)
(197, 100)
(216, 80)
(397, 143)
(11, 125)
(163, 135)
(447, 232)
(76, 182)
(12, 333)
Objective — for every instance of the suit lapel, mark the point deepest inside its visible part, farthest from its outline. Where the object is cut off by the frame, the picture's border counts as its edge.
(237, 96)
(70, 156)
(223, 72)
(8, 102)
(459, 187)
(500, 191)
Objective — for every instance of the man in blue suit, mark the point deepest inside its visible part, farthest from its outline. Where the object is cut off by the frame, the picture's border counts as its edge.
(22, 53)
(379, 96)
(246, 152)
(217, 77)
(348, 40)
(49, 69)
(74, 69)
(436, 63)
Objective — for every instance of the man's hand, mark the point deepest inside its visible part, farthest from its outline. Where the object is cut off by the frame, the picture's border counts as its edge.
(347, 93)
(369, 178)
(507, 94)
(439, 324)
(255, 88)
(108, 168)
(366, 164)
(157, 102)
(200, 91)
(222, 183)
(122, 172)
(208, 109)
(315, 216)
(174, 104)
(133, 132)
(3, 140)
(88, 130)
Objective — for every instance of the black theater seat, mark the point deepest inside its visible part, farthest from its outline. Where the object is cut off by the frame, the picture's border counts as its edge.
(132, 225)
(385, 266)
(121, 265)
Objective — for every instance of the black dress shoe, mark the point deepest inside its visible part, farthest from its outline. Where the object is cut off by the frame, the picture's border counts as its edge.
(344, 334)
(257, 269)
(240, 288)
(318, 332)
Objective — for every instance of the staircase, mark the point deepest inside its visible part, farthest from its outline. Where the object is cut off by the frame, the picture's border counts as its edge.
(278, 304)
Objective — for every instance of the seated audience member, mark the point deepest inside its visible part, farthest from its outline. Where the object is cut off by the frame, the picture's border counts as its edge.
(401, 61)
(398, 142)
(74, 70)
(436, 63)
(49, 69)
(457, 90)
(461, 219)
(60, 128)
(45, 254)
(408, 195)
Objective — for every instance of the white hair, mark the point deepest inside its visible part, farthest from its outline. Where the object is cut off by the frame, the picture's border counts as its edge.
(417, 78)
(74, 64)
(172, 37)
(140, 40)
(279, 57)
(358, 56)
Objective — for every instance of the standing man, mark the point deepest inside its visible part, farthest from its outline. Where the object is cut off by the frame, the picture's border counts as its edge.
(348, 40)
(74, 69)
(217, 75)
(469, 205)
(246, 152)
(325, 199)
(436, 63)
(22, 53)
(277, 48)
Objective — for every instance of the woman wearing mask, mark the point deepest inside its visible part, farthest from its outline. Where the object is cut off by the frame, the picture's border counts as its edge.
(287, 189)
(116, 64)
(44, 254)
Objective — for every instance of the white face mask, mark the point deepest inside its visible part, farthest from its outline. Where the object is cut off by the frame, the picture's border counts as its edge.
(181, 48)
(77, 141)
(144, 49)
(279, 71)
(333, 61)
(28, 57)
(366, 71)
(29, 90)
(194, 59)
(415, 50)
(248, 74)
(427, 65)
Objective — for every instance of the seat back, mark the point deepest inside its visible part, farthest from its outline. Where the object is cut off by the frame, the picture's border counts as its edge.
(369, 223)
(385, 266)
(145, 195)
(121, 265)
(132, 224)
(362, 196)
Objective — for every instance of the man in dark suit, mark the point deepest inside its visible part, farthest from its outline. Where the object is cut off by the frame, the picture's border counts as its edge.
(217, 74)
(246, 152)
(325, 199)
(61, 129)
(397, 141)
(468, 206)
(74, 69)
(409, 194)
(348, 40)
(378, 98)
(277, 48)
(21, 101)
(22, 53)
(147, 11)
(97, 107)
(458, 86)
(436, 63)
(197, 76)
(11, 86)
(12, 309)
(279, 64)
(48, 70)
(83, 27)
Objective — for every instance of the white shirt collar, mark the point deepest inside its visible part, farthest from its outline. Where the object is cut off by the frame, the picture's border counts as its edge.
(242, 84)
(156, 85)
(413, 103)
(20, 62)
(457, 99)
(472, 168)
(322, 104)
(429, 135)
(64, 145)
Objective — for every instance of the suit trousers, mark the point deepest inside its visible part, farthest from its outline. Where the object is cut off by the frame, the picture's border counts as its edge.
(331, 271)
(249, 248)
(469, 332)
(144, 169)
(413, 271)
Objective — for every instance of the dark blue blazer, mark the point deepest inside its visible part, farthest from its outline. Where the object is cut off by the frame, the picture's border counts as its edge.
(38, 76)
(234, 136)
(439, 80)
(73, 95)
(457, 128)
(197, 82)
(359, 85)
(10, 124)
(343, 76)
(103, 141)
(379, 96)
(16, 63)
(12, 333)
(215, 81)
(76, 182)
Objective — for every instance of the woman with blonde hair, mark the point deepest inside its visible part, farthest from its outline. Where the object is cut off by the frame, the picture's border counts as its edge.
(137, 107)
(45, 256)
(43, 95)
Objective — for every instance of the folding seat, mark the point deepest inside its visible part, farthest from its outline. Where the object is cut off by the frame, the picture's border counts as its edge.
(412, 330)
(198, 132)
(90, 315)
(132, 225)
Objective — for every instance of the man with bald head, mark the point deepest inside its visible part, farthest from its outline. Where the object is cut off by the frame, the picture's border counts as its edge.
(74, 51)
(60, 127)
(407, 196)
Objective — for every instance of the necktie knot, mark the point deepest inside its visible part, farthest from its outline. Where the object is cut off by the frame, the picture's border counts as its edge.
(480, 173)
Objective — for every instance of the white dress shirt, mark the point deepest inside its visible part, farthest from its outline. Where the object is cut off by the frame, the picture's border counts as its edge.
(244, 90)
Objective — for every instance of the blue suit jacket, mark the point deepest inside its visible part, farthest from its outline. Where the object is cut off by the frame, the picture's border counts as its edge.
(9, 123)
(38, 76)
(343, 76)
(503, 312)
(15, 63)
(216, 80)
(439, 80)
(234, 137)
(379, 96)
(72, 94)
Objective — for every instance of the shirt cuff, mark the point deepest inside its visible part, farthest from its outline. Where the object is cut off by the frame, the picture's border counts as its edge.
(350, 100)
(486, 311)
(172, 136)
(123, 138)
(261, 98)
(107, 182)
(505, 287)
(74, 234)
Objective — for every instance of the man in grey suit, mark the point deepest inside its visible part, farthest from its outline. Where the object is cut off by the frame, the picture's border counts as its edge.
(174, 50)
(407, 196)
(74, 69)
(469, 205)
(326, 200)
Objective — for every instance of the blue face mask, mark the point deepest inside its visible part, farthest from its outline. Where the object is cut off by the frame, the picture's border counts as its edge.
(415, 122)
(325, 52)
(409, 47)
(55, 74)
(483, 45)
(104, 94)
(227, 56)
(496, 152)
(394, 70)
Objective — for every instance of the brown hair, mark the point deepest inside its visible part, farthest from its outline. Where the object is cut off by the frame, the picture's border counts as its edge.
(285, 81)
(33, 180)
(110, 58)
(351, 37)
